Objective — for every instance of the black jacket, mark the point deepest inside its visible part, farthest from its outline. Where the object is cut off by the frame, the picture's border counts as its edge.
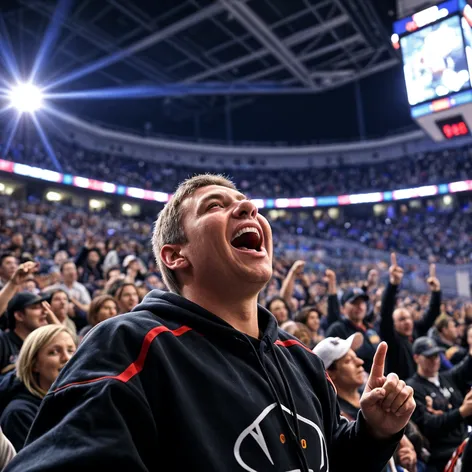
(10, 345)
(400, 354)
(18, 416)
(344, 328)
(444, 432)
(453, 352)
(173, 387)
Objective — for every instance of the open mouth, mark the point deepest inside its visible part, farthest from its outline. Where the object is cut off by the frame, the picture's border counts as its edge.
(247, 239)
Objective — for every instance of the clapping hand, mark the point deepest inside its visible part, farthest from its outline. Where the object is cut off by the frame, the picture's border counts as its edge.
(387, 402)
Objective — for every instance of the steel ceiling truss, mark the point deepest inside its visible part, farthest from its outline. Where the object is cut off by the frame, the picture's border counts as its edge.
(341, 41)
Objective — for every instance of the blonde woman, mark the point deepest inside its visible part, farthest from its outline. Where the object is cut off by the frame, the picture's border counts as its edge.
(44, 353)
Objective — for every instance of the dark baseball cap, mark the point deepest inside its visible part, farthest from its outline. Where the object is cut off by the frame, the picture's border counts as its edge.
(19, 302)
(352, 294)
(426, 347)
(22, 300)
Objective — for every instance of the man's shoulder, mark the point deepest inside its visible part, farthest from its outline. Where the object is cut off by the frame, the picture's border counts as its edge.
(297, 349)
(79, 286)
(115, 349)
(337, 328)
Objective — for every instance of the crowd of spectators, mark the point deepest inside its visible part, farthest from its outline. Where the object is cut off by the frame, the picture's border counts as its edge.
(433, 234)
(64, 270)
(411, 171)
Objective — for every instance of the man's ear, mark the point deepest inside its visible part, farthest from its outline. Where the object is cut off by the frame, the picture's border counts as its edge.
(332, 373)
(172, 257)
(19, 316)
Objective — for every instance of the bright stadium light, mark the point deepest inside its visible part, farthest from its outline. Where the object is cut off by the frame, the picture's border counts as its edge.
(26, 98)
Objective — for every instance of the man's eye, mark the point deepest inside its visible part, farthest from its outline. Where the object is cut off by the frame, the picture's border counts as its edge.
(213, 205)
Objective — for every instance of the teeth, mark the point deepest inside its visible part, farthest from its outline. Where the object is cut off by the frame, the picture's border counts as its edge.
(247, 229)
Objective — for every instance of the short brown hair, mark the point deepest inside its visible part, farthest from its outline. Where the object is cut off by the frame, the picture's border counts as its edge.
(95, 306)
(442, 322)
(168, 228)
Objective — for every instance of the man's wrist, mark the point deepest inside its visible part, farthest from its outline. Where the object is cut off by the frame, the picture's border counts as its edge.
(11, 284)
(374, 432)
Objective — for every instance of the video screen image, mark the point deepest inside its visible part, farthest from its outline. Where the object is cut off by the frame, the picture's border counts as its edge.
(434, 61)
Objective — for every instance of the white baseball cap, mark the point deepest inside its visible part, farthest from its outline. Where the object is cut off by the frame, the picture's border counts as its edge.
(332, 349)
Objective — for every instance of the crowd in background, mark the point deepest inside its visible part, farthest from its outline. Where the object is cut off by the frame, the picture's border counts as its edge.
(410, 171)
(430, 233)
(64, 270)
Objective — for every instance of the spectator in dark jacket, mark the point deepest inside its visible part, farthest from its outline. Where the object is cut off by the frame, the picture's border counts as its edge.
(444, 401)
(89, 263)
(397, 327)
(43, 354)
(354, 301)
(445, 335)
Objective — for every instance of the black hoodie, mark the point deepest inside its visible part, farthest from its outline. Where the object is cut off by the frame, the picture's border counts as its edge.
(173, 387)
(17, 418)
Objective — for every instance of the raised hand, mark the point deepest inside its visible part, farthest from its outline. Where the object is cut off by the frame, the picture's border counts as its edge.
(466, 408)
(330, 277)
(395, 271)
(50, 316)
(387, 402)
(297, 268)
(23, 271)
(432, 281)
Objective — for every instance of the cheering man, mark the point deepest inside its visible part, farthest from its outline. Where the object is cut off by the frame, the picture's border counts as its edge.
(201, 378)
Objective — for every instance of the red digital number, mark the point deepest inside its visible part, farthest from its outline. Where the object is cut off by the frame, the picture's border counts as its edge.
(447, 130)
(463, 128)
(455, 129)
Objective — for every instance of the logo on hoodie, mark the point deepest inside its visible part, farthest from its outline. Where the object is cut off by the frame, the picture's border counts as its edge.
(268, 455)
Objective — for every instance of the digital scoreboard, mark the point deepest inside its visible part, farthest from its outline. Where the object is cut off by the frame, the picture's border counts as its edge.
(436, 48)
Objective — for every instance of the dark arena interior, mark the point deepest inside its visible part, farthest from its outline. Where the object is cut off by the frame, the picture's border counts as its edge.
(235, 235)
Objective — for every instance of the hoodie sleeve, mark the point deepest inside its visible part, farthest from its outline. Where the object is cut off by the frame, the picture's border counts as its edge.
(94, 418)
(387, 329)
(424, 324)
(334, 310)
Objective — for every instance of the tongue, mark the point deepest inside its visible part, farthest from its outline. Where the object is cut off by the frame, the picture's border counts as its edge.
(246, 241)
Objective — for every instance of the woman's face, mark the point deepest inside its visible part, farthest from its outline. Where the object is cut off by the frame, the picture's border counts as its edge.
(52, 358)
(128, 298)
(278, 309)
(313, 321)
(107, 310)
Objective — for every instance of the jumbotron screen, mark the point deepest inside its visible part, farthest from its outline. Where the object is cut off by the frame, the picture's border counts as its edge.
(435, 61)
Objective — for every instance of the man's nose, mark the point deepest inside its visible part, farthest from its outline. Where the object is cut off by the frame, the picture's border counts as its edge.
(245, 208)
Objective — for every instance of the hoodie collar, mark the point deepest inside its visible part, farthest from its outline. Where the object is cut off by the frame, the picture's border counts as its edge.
(190, 314)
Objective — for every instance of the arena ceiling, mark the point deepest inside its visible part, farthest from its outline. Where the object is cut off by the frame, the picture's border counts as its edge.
(290, 58)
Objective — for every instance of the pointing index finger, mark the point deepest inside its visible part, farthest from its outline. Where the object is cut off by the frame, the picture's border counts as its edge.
(378, 366)
(393, 259)
(432, 270)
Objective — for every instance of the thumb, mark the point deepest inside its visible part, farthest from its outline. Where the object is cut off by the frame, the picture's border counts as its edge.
(371, 398)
